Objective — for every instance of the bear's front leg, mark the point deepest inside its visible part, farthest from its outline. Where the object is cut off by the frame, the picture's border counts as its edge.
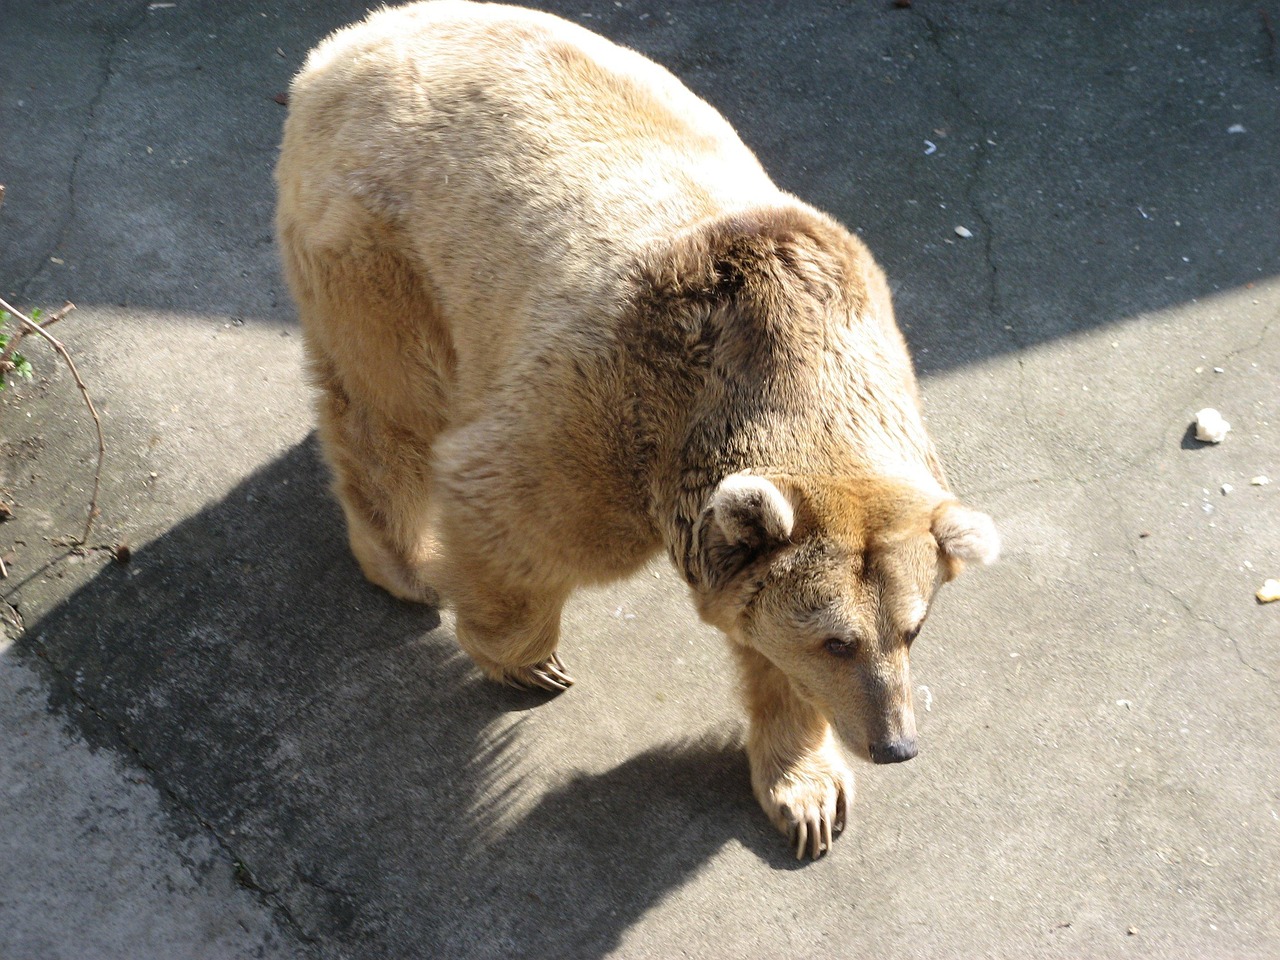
(797, 771)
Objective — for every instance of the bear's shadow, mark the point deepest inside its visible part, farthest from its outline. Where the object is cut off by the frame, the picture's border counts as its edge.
(352, 761)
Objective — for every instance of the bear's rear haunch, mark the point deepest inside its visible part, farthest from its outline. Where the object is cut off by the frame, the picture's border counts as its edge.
(559, 319)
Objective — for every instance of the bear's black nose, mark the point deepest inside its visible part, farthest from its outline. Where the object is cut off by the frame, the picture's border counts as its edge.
(894, 751)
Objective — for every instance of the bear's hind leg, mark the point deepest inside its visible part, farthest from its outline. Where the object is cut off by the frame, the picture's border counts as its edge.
(382, 478)
(797, 771)
(381, 360)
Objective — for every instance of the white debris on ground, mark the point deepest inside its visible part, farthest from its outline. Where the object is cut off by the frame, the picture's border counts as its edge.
(1260, 481)
(964, 233)
(928, 697)
(1270, 590)
(1210, 426)
(1236, 128)
(1227, 488)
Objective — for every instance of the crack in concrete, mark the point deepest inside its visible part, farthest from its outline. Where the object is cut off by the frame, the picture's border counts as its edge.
(1199, 618)
(1139, 569)
(269, 898)
(972, 187)
(1256, 345)
(1132, 460)
(936, 37)
(107, 74)
(311, 880)
(973, 181)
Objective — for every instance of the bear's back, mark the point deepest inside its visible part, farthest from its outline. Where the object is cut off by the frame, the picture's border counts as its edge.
(525, 160)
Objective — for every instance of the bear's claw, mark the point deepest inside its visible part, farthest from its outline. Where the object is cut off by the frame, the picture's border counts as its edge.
(818, 829)
(550, 675)
(808, 800)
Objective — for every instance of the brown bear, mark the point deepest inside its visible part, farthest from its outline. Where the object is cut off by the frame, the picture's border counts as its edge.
(559, 318)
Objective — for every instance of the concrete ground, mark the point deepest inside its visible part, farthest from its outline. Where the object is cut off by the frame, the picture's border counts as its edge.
(232, 746)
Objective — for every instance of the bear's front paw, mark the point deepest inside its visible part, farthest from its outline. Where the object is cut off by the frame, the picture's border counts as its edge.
(808, 801)
(549, 675)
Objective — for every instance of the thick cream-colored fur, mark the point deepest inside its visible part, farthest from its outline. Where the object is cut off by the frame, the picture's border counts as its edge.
(559, 319)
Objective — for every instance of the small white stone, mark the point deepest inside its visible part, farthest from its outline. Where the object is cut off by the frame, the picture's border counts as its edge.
(1210, 426)
(1236, 128)
(928, 698)
(964, 232)
(1269, 591)
(1227, 488)
(1260, 480)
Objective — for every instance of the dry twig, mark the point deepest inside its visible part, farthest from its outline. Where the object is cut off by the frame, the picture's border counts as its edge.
(23, 331)
(1271, 40)
(27, 326)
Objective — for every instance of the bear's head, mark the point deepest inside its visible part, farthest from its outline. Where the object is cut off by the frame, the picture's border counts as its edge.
(831, 579)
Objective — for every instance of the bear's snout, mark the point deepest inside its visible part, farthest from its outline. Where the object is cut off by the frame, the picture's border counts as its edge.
(894, 751)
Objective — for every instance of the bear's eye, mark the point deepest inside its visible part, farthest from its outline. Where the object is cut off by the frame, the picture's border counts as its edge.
(839, 647)
(910, 635)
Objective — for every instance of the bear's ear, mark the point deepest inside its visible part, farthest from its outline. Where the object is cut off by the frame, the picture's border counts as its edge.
(749, 511)
(964, 533)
